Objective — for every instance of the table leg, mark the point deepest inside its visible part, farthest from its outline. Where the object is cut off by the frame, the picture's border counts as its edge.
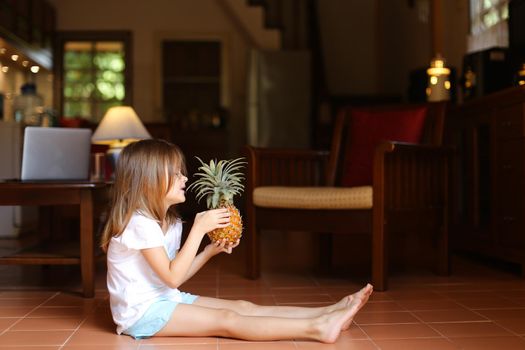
(87, 254)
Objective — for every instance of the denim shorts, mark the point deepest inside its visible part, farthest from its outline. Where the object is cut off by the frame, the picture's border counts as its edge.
(157, 316)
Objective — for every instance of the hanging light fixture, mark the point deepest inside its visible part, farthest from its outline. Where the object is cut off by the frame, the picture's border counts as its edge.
(438, 88)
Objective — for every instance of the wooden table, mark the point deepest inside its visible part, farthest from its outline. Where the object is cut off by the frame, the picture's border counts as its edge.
(45, 194)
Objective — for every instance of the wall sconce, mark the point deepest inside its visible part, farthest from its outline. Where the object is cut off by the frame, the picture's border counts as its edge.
(438, 88)
(521, 75)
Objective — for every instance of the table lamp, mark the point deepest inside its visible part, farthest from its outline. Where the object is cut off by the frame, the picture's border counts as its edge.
(119, 127)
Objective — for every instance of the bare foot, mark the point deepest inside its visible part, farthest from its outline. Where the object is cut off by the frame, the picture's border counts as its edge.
(361, 296)
(345, 301)
(332, 323)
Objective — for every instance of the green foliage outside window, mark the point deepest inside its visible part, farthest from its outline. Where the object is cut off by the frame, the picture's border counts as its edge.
(93, 80)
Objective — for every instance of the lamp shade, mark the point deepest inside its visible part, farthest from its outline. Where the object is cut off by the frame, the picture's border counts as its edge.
(120, 124)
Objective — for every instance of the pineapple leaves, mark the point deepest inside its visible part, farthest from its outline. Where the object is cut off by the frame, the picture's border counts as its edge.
(219, 181)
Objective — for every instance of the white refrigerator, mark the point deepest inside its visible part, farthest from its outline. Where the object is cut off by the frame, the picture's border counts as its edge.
(13, 219)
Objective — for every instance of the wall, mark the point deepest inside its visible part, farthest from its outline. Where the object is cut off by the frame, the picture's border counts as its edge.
(369, 47)
(456, 28)
(150, 22)
(349, 44)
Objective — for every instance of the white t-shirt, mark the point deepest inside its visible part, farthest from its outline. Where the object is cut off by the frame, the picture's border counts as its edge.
(133, 286)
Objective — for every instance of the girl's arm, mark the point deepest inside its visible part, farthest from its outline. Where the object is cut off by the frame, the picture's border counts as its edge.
(210, 251)
(174, 272)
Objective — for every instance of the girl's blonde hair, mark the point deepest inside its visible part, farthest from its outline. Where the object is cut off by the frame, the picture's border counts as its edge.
(144, 174)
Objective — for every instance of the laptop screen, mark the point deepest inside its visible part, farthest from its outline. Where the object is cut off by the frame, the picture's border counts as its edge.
(56, 153)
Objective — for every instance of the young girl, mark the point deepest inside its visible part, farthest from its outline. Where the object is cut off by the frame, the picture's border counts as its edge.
(146, 264)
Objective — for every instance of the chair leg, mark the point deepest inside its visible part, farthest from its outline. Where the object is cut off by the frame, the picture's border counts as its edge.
(379, 256)
(443, 267)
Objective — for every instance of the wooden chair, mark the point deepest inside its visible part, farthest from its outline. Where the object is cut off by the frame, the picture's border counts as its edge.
(409, 190)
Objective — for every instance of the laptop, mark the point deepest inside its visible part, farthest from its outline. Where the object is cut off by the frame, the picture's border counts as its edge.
(56, 154)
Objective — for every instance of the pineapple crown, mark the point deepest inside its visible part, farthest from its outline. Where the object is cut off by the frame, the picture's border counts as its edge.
(219, 181)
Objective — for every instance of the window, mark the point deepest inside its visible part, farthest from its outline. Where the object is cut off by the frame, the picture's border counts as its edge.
(94, 74)
(488, 24)
(487, 13)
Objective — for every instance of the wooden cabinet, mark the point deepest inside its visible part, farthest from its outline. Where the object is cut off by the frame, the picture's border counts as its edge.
(510, 179)
(33, 21)
(29, 25)
(489, 210)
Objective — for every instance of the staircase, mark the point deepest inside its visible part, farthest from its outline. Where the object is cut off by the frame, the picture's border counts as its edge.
(283, 25)
(251, 23)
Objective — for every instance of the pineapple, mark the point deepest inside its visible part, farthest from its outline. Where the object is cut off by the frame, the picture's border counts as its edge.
(219, 182)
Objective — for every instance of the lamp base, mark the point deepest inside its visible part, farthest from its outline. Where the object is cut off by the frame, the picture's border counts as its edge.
(112, 155)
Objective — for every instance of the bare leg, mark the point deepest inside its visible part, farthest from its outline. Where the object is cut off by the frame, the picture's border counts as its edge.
(249, 309)
(195, 320)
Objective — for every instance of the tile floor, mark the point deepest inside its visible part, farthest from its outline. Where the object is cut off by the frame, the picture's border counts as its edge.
(480, 306)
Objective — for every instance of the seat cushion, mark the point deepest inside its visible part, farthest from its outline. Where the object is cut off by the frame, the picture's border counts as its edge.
(313, 197)
(368, 127)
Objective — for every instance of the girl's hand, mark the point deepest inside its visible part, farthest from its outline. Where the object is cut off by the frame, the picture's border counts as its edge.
(221, 246)
(209, 220)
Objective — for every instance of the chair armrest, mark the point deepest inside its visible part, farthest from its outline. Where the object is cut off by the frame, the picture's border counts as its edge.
(408, 175)
(405, 147)
(285, 167)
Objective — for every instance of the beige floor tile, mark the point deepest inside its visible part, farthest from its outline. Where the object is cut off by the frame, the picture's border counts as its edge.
(179, 340)
(499, 314)
(399, 331)
(453, 315)
(364, 318)
(426, 305)
(341, 344)
(419, 311)
(488, 303)
(99, 339)
(43, 324)
(382, 306)
(416, 344)
(7, 322)
(60, 311)
(186, 346)
(17, 311)
(470, 329)
(280, 345)
(21, 302)
(34, 338)
(490, 343)
(36, 347)
(516, 325)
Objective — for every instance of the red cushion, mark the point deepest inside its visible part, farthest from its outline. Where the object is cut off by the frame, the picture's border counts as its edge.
(367, 129)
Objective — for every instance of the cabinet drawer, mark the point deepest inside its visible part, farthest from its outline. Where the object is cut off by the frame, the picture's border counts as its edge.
(509, 121)
(510, 230)
(510, 166)
(510, 193)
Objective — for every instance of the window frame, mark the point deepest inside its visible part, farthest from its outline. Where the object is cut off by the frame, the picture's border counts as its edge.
(479, 15)
(496, 35)
(62, 37)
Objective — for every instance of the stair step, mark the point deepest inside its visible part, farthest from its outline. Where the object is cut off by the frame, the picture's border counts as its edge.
(273, 14)
(256, 2)
(251, 20)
